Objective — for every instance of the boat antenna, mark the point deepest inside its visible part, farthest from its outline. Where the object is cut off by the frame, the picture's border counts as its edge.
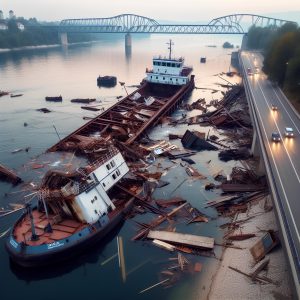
(170, 43)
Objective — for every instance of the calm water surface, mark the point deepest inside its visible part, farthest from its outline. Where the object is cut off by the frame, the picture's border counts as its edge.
(72, 73)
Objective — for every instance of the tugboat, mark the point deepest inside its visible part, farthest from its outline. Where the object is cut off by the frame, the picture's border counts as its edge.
(74, 210)
(78, 207)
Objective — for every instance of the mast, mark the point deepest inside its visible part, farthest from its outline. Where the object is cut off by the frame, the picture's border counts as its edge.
(170, 43)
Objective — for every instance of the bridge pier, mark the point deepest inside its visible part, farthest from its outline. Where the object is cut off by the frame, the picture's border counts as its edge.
(256, 152)
(63, 38)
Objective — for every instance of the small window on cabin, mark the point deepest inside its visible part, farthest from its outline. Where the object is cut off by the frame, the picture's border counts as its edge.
(178, 65)
(112, 163)
(118, 172)
(173, 65)
(108, 167)
(176, 79)
(159, 63)
(163, 78)
(168, 64)
(156, 77)
(151, 76)
(114, 176)
(171, 78)
(95, 211)
(154, 63)
(163, 64)
(103, 184)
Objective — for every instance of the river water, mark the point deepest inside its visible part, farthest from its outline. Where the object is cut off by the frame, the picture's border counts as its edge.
(72, 73)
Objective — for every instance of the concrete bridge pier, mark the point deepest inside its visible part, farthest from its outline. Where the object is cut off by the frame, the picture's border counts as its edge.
(63, 38)
(256, 152)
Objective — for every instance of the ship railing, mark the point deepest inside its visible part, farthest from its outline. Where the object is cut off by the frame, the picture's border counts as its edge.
(112, 151)
(180, 59)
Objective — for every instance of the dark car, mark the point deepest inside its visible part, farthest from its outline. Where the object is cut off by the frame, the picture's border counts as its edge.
(276, 137)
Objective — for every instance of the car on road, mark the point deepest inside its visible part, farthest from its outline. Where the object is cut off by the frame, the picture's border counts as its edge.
(289, 132)
(276, 137)
(274, 107)
(249, 71)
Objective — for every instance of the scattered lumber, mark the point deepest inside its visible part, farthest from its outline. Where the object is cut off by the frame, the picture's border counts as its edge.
(9, 175)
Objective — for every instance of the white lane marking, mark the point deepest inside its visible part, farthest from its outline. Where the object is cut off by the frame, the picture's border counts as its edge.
(276, 93)
(279, 132)
(285, 108)
(277, 171)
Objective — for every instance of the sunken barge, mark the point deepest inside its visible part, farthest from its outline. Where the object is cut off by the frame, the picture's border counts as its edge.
(78, 207)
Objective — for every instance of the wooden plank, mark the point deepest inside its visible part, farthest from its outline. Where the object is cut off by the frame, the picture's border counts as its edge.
(183, 239)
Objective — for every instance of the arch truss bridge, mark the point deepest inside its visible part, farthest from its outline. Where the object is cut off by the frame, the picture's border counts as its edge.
(130, 23)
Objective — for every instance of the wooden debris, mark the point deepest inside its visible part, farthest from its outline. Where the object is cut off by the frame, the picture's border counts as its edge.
(264, 245)
(152, 286)
(109, 259)
(9, 175)
(197, 267)
(240, 237)
(183, 239)
(121, 257)
(163, 245)
(261, 267)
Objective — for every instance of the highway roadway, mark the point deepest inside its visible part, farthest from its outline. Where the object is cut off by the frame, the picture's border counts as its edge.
(283, 156)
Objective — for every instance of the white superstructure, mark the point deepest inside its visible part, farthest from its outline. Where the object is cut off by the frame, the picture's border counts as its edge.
(169, 70)
(94, 202)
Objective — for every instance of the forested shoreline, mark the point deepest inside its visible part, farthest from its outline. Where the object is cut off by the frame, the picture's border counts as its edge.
(281, 49)
(35, 34)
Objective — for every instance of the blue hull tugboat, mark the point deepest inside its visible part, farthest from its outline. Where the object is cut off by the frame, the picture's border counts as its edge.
(74, 210)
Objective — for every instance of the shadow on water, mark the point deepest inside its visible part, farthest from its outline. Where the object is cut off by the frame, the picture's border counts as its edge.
(73, 262)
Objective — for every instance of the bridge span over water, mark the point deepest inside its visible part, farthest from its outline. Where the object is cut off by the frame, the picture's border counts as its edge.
(130, 23)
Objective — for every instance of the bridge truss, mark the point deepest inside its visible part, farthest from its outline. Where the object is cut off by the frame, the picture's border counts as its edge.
(130, 23)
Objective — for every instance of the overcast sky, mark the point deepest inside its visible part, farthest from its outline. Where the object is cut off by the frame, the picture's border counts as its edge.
(177, 10)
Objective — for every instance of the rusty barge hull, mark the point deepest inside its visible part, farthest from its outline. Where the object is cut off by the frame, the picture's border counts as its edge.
(128, 120)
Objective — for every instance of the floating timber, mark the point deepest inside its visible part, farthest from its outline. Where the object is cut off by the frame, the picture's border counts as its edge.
(9, 175)
(182, 239)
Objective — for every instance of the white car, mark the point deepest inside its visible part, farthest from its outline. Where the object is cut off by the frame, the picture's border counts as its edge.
(289, 132)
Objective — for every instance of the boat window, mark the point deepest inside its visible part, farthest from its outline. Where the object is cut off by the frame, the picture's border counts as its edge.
(154, 63)
(171, 78)
(108, 167)
(176, 79)
(156, 77)
(163, 64)
(103, 184)
(168, 65)
(163, 78)
(118, 172)
(95, 211)
(114, 176)
(151, 76)
(173, 65)
(158, 63)
(178, 65)
(112, 163)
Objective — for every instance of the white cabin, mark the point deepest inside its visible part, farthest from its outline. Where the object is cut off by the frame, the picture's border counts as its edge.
(94, 202)
(169, 70)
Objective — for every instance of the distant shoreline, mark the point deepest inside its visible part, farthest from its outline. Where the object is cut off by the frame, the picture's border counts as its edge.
(2, 50)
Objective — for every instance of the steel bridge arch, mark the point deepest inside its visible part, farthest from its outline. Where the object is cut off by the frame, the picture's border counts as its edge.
(257, 20)
(119, 23)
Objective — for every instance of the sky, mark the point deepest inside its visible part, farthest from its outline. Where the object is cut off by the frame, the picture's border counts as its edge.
(173, 10)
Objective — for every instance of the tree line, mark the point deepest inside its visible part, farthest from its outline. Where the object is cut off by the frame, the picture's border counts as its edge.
(35, 34)
(281, 49)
